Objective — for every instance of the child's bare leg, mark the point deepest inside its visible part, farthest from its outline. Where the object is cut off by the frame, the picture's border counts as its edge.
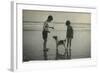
(67, 47)
(44, 44)
(45, 51)
(70, 44)
(67, 42)
(65, 51)
(70, 48)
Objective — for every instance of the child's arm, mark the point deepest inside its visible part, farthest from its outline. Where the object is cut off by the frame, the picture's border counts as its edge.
(51, 27)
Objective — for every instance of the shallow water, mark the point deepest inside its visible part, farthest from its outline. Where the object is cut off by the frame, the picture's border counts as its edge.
(33, 45)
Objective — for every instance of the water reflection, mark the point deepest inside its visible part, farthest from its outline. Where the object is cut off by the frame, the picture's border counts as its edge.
(66, 55)
(45, 54)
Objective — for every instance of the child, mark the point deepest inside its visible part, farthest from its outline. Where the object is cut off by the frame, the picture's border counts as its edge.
(45, 33)
(69, 36)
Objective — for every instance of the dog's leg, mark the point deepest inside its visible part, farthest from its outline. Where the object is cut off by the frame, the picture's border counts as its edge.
(66, 52)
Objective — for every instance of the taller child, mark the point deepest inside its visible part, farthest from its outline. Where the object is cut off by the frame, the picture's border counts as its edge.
(46, 31)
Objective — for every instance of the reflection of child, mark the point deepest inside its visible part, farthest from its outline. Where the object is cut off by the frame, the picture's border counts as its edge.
(46, 31)
(69, 35)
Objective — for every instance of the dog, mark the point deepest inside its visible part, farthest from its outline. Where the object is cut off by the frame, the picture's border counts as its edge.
(58, 43)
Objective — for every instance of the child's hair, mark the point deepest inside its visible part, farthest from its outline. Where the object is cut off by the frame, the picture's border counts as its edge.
(50, 17)
(67, 22)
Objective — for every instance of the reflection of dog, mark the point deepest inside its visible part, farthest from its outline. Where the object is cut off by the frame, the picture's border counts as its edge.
(58, 43)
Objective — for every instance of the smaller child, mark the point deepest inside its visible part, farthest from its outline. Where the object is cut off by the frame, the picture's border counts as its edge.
(69, 36)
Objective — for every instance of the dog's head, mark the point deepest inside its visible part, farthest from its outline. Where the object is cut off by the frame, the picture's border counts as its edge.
(55, 37)
(65, 40)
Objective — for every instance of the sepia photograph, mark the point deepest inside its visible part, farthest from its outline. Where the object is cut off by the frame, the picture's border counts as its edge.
(55, 35)
(52, 36)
